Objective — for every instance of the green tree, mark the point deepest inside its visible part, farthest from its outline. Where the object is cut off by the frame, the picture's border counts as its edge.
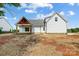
(69, 30)
(73, 30)
(77, 29)
(2, 5)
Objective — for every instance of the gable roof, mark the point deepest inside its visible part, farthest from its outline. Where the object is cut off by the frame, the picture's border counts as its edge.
(54, 15)
(23, 20)
(39, 22)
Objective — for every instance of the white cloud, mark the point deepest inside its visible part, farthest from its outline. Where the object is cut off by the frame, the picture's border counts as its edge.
(6, 17)
(36, 5)
(14, 18)
(62, 13)
(39, 16)
(23, 5)
(71, 13)
(43, 5)
(32, 8)
(10, 18)
(51, 13)
(72, 4)
(42, 16)
(30, 11)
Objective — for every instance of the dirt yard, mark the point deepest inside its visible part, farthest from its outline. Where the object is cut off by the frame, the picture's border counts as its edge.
(39, 45)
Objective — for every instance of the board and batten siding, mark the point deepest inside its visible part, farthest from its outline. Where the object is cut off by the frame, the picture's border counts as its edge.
(37, 29)
(58, 26)
(4, 24)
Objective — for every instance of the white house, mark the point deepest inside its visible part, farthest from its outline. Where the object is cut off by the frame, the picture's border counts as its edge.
(4, 24)
(55, 24)
(52, 24)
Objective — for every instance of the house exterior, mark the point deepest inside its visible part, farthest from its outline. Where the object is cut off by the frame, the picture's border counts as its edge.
(52, 24)
(56, 24)
(4, 24)
(23, 26)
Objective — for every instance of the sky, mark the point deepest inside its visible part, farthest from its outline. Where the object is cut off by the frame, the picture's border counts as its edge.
(31, 11)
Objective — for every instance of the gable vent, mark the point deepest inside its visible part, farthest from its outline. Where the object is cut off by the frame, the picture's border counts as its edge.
(56, 19)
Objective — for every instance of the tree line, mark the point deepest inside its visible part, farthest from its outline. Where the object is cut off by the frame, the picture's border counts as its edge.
(73, 30)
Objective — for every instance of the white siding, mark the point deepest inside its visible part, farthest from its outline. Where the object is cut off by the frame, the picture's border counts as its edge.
(37, 29)
(5, 25)
(21, 29)
(56, 27)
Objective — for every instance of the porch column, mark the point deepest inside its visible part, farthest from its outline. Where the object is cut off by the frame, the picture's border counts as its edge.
(16, 28)
(29, 29)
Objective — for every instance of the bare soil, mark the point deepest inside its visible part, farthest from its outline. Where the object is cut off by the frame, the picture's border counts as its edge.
(39, 45)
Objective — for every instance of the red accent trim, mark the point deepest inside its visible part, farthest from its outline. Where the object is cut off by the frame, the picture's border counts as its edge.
(23, 21)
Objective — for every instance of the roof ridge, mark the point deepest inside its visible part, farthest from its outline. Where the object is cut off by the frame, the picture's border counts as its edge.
(57, 14)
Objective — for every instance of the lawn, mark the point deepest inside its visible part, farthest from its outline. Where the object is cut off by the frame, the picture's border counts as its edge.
(39, 45)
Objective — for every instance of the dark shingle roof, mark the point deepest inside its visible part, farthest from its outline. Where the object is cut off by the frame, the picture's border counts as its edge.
(37, 22)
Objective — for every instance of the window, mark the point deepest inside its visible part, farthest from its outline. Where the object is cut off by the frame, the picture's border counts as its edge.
(27, 29)
(56, 19)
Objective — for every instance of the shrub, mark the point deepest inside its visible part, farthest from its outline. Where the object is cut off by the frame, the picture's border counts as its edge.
(14, 30)
(1, 29)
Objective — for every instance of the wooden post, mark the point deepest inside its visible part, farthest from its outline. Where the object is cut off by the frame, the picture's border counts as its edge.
(30, 28)
(16, 28)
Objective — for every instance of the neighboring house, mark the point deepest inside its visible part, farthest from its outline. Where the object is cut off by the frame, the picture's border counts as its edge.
(52, 24)
(4, 24)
